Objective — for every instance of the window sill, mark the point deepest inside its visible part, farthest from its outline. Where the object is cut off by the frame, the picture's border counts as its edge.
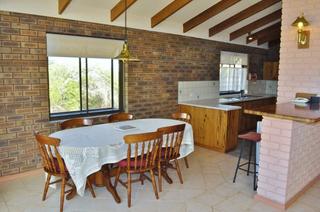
(57, 118)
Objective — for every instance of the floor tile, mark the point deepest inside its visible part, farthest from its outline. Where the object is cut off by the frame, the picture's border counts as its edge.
(207, 187)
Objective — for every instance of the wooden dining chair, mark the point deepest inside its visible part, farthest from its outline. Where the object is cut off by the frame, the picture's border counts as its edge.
(74, 123)
(53, 165)
(142, 157)
(77, 122)
(170, 151)
(122, 116)
(186, 117)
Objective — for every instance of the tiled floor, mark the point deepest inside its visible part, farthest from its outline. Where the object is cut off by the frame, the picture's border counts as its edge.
(207, 187)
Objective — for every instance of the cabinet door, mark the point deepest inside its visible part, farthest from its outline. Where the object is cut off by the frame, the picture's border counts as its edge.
(197, 121)
(199, 115)
(215, 129)
(270, 70)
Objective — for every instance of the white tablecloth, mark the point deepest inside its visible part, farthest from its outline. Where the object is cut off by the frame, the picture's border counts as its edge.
(86, 149)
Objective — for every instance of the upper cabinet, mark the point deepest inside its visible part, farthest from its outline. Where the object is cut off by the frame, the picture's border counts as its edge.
(270, 70)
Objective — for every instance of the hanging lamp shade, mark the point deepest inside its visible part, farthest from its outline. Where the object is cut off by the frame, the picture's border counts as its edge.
(125, 55)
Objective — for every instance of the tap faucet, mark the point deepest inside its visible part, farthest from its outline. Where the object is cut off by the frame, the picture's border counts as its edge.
(241, 93)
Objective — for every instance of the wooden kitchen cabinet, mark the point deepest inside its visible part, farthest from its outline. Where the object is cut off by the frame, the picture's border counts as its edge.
(213, 128)
(270, 70)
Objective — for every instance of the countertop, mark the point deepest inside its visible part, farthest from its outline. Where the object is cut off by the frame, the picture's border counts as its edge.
(222, 102)
(308, 113)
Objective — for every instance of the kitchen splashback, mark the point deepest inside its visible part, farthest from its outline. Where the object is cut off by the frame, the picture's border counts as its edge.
(268, 87)
(194, 90)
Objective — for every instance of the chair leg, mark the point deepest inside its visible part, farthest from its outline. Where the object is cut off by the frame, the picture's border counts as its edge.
(238, 163)
(129, 190)
(91, 188)
(250, 154)
(159, 177)
(117, 177)
(186, 162)
(255, 168)
(178, 171)
(46, 187)
(154, 185)
(141, 178)
(63, 184)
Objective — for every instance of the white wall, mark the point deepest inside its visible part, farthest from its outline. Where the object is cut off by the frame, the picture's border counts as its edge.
(140, 13)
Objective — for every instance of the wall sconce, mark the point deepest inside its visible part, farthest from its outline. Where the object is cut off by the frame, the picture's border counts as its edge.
(303, 35)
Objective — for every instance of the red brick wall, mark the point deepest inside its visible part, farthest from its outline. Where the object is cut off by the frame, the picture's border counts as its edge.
(152, 83)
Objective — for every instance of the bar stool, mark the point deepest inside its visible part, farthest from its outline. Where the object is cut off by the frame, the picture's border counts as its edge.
(253, 138)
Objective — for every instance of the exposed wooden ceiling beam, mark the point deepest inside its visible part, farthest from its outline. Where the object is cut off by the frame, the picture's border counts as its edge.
(208, 13)
(117, 10)
(256, 24)
(264, 32)
(261, 5)
(271, 36)
(62, 5)
(168, 11)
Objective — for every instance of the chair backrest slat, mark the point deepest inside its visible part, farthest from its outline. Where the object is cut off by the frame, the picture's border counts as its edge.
(120, 117)
(73, 123)
(186, 117)
(146, 147)
(173, 136)
(45, 157)
(51, 158)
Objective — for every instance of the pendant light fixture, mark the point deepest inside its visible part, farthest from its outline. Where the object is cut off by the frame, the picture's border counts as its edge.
(125, 55)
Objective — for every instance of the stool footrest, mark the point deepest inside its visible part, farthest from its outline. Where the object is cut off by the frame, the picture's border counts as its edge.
(251, 172)
(246, 163)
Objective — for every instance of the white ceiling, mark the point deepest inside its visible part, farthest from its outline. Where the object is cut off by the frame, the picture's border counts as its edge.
(140, 13)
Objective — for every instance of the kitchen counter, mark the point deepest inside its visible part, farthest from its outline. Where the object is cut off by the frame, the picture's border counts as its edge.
(217, 122)
(222, 102)
(309, 113)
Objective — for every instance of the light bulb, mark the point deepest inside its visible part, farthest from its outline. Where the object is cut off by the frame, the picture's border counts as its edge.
(300, 25)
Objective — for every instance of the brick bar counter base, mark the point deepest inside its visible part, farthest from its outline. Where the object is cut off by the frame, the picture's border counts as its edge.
(289, 160)
(150, 86)
(290, 151)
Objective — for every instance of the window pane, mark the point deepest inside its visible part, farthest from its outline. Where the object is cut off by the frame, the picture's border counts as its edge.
(99, 83)
(84, 83)
(64, 90)
(116, 90)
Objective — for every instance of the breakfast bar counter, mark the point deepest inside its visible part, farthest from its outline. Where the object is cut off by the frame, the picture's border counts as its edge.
(306, 113)
(289, 151)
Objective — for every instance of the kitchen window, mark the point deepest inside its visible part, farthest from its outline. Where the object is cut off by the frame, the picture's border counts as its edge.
(83, 86)
(233, 72)
(84, 80)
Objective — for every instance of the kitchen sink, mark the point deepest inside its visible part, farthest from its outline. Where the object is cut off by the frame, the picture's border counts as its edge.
(238, 98)
(249, 96)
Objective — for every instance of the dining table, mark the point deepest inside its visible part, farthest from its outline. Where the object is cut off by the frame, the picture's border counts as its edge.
(86, 149)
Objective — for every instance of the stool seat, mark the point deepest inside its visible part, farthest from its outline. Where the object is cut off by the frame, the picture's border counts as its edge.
(251, 136)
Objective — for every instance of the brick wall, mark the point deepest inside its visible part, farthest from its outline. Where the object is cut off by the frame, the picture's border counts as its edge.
(274, 158)
(299, 68)
(289, 158)
(290, 150)
(151, 85)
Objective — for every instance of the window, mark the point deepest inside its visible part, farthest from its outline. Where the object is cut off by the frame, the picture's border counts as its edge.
(233, 78)
(83, 86)
(233, 72)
